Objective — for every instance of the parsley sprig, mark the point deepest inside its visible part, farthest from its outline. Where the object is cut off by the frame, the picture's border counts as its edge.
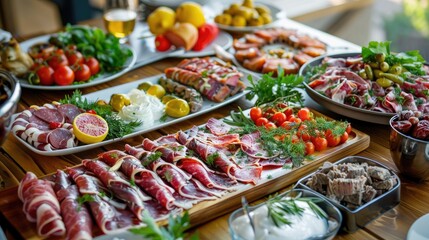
(175, 230)
(280, 207)
(269, 88)
(117, 127)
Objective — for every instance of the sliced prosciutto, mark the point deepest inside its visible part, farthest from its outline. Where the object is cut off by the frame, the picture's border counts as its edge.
(41, 205)
(76, 216)
(121, 188)
(147, 180)
(173, 152)
(108, 218)
(217, 159)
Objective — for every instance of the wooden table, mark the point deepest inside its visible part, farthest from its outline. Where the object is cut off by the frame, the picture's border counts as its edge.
(17, 159)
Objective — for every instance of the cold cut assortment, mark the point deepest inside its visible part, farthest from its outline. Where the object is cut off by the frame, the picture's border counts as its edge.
(266, 50)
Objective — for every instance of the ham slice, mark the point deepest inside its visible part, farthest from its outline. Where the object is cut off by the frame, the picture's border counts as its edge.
(122, 189)
(40, 205)
(76, 216)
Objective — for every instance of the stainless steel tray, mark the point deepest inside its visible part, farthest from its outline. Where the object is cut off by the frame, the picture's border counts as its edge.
(353, 219)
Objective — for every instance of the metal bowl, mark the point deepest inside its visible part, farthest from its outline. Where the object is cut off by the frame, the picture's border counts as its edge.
(334, 221)
(362, 215)
(411, 155)
(340, 108)
(8, 107)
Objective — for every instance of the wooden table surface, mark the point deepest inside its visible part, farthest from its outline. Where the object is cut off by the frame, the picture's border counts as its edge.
(15, 159)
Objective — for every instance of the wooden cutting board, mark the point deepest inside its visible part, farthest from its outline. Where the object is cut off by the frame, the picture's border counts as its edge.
(270, 182)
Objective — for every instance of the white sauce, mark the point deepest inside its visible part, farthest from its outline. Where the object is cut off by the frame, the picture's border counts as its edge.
(302, 227)
(143, 107)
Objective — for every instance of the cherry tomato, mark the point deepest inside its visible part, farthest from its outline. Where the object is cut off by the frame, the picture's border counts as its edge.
(261, 121)
(287, 125)
(349, 128)
(93, 65)
(344, 137)
(278, 118)
(63, 75)
(320, 143)
(92, 111)
(162, 44)
(268, 113)
(303, 133)
(281, 106)
(255, 113)
(75, 58)
(45, 74)
(270, 125)
(309, 148)
(288, 111)
(296, 120)
(58, 59)
(82, 73)
(294, 139)
(304, 114)
(54, 125)
(333, 140)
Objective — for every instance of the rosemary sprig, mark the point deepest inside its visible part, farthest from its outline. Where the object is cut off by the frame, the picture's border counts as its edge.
(117, 127)
(175, 230)
(280, 207)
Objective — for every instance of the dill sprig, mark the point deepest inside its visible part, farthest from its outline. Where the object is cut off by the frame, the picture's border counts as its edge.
(117, 127)
(83, 199)
(280, 207)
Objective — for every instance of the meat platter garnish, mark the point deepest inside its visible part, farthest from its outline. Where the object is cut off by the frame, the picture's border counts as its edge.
(352, 184)
(264, 50)
(50, 126)
(376, 80)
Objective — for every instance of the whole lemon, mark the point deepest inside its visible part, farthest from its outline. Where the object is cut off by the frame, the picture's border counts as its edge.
(160, 20)
(190, 12)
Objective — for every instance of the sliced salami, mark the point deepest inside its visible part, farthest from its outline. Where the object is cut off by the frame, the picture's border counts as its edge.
(49, 115)
(69, 111)
(61, 138)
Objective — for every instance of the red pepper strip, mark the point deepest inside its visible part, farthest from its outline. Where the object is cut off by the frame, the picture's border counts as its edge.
(206, 34)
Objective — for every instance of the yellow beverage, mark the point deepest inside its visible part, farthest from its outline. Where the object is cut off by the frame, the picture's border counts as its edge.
(120, 22)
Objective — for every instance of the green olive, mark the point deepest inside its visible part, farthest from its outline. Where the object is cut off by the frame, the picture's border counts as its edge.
(369, 72)
(380, 57)
(362, 74)
(374, 65)
(377, 73)
(396, 69)
(384, 82)
(384, 66)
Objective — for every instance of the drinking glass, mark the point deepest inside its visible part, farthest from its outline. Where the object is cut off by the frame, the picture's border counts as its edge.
(120, 18)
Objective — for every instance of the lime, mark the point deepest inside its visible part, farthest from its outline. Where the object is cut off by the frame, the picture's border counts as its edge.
(156, 90)
(144, 86)
(177, 108)
(167, 98)
(90, 128)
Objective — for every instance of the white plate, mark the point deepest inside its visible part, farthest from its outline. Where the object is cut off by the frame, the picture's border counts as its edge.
(100, 79)
(125, 88)
(276, 14)
(420, 229)
(148, 53)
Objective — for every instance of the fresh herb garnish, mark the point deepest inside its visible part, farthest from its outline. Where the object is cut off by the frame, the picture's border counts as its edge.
(83, 199)
(279, 207)
(411, 60)
(175, 230)
(151, 158)
(269, 88)
(92, 41)
(168, 176)
(210, 160)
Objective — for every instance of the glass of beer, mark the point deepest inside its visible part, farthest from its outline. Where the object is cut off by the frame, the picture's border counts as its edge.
(120, 18)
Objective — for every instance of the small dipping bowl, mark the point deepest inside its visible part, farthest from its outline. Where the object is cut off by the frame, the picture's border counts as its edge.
(334, 215)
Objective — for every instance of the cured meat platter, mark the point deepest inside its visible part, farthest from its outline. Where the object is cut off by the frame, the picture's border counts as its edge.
(269, 181)
(124, 88)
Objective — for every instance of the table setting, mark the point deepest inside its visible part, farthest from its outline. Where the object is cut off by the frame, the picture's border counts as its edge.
(210, 121)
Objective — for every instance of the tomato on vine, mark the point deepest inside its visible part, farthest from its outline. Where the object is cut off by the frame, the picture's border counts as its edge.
(255, 113)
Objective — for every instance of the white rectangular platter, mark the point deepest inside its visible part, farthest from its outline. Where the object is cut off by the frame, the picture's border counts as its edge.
(125, 88)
